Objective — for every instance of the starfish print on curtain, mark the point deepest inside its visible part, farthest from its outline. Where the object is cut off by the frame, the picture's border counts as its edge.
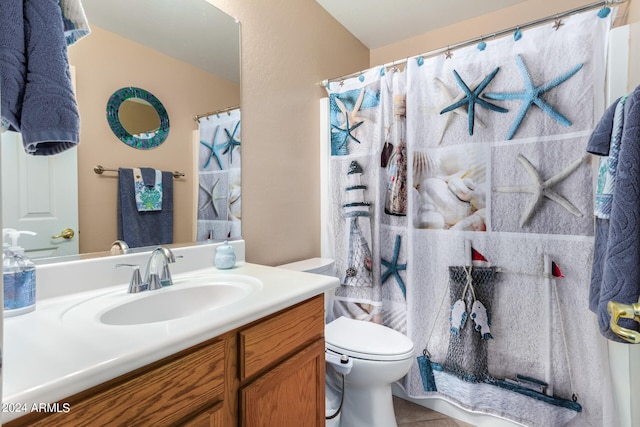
(472, 97)
(211, 198)
(532, 95)
(349, 117)
(353, 114)
(350, 110)
(215, 148)
(540, 188)
(232, 143)
(345, 134)
(449, 99)
(393, 268)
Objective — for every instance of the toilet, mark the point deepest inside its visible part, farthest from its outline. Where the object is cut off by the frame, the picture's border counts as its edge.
(379, 356)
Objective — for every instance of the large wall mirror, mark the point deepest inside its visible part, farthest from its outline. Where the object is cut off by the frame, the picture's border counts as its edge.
(186, 53)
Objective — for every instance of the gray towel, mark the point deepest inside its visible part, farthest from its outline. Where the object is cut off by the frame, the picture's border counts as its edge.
(617, 250)
(146, 228)
(13, 64)
(50, 122)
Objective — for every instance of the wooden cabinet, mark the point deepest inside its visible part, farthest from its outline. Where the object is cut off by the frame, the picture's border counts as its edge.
(167, 392)
(282, 369)
(290, 394)
(267, 373)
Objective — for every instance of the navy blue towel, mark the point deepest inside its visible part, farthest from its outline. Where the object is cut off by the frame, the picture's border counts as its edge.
(37, 95)
(616, 269)
(13, 64)
(147, 228)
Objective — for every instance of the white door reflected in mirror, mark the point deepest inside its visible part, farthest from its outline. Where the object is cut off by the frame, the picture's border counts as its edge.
(40, 194)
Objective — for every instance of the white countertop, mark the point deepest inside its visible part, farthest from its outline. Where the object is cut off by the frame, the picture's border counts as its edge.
(47, 358)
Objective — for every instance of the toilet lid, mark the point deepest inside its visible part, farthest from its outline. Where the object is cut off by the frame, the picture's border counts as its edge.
(366, 340)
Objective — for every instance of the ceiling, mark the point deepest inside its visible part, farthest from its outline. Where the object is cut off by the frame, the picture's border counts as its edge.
(377, 23)
(193, 31)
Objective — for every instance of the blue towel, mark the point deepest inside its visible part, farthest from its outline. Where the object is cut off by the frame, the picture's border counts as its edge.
(13, 64)
(144, 228)
(616, 269)
(50, 122)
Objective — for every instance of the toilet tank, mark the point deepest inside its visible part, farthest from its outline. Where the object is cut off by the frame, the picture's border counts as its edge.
(324, 266)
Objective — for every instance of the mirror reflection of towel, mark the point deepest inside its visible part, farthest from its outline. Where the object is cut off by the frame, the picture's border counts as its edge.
(146, 228)
(37, 94)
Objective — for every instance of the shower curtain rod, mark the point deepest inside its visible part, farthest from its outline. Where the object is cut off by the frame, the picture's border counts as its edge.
(485, 37)
(213, 113)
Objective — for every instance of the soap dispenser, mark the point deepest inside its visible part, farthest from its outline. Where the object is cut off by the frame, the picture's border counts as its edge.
(225, 256)
(19, 275)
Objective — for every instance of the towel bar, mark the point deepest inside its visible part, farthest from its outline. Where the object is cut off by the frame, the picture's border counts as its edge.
(99, 169)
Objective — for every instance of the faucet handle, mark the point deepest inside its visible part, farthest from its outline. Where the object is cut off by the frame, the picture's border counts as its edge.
(165, 276)
(135, 284)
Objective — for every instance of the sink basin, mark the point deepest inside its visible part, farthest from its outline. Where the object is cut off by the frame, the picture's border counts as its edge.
(188, 296)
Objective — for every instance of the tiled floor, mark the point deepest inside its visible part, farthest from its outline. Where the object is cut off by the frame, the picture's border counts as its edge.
(411, 415)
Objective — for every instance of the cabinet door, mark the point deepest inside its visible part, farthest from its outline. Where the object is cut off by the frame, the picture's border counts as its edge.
(212, 417)
(290, 394)
(161, 394)
(269, 341)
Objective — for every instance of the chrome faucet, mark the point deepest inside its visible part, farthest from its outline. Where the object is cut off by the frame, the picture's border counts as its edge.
(157, 274)
(119, 247)
(135, 284)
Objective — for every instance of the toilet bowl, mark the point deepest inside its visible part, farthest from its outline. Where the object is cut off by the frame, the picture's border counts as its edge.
(379, 356)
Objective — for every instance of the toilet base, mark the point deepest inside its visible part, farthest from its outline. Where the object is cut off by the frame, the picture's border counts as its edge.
(367, 406)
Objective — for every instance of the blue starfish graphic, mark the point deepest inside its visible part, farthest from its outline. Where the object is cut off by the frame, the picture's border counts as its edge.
(214, 149)
(393, 268)
(346, 131)
(532, 95)
(473, 97)
(233, 142)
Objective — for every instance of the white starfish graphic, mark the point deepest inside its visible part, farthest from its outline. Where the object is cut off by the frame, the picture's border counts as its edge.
(211, 197)
(351, 116)
(541, 189)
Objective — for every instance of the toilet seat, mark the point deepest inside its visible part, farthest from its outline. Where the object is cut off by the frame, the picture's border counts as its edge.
(366, 340)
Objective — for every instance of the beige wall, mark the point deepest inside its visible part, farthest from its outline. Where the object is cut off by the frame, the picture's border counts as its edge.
(634, 46)
(288, 46)
(105, 62)
(526, 11)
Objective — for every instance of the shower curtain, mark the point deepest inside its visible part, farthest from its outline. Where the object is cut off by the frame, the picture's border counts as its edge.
(451, 182)
(219, 215)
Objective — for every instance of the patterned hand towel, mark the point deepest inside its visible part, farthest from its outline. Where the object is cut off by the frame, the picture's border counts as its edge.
(76, 25)
(148, 192)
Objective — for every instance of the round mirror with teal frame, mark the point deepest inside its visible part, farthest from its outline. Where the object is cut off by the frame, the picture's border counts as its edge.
(136, 141)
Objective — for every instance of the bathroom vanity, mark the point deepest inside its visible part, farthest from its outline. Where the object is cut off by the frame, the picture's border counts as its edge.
(256, 361)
